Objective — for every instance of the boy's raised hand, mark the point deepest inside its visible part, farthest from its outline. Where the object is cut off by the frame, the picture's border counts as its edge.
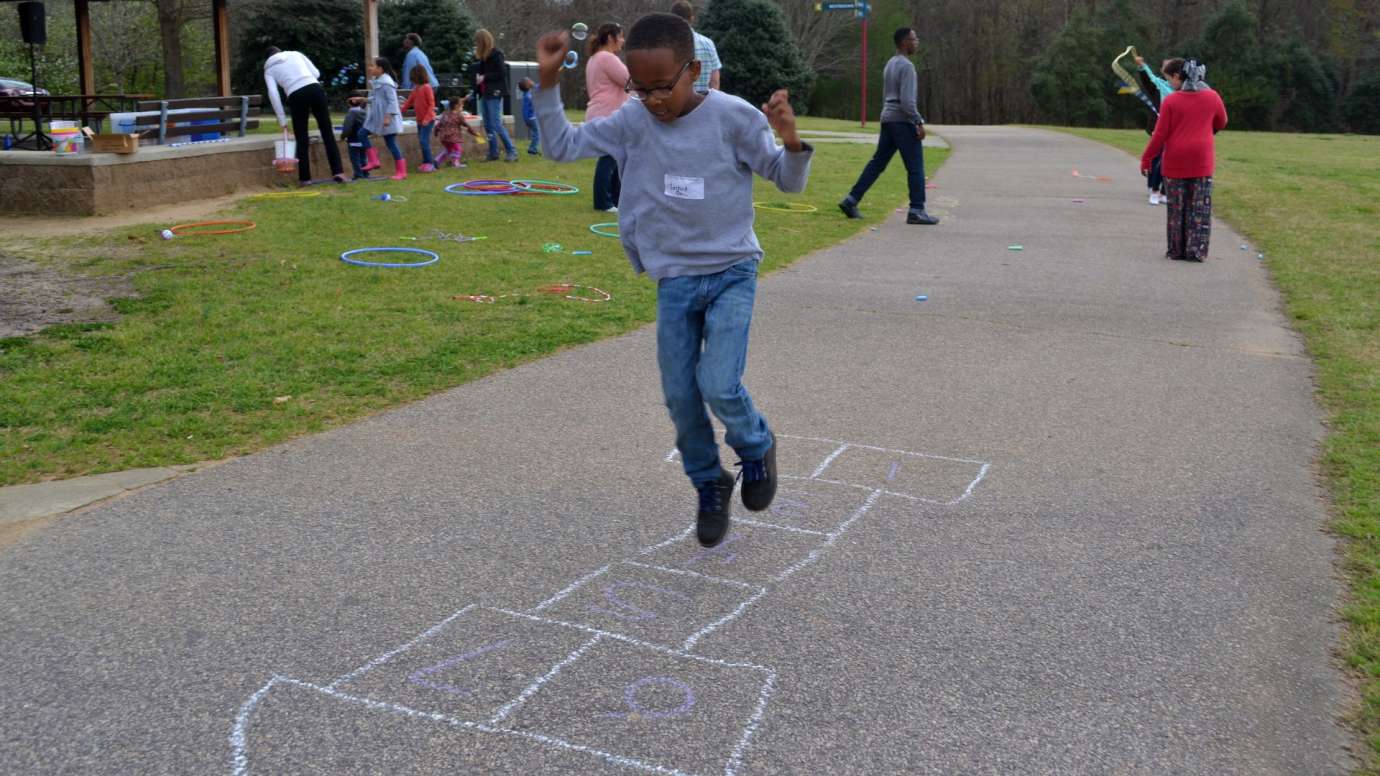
(782, 119)
(551, 50)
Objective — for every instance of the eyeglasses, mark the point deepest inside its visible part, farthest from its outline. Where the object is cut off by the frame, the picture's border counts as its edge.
(660, 93)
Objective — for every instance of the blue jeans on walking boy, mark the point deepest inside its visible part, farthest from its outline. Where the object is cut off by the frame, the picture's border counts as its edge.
(895, 136)
(702, 326)
(424, 140)
(534, 147)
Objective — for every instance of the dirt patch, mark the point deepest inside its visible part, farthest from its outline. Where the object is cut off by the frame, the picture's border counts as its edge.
(33, 298)
(160, 217)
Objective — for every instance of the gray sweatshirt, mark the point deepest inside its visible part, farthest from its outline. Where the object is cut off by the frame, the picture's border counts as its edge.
(686, 201)
(899, 88)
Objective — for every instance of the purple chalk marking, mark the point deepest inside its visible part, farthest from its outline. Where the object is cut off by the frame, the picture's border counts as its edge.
(629, 612)
(721, 551)
(630, 697)
(416, 677)
(891, 473)
(787, 506)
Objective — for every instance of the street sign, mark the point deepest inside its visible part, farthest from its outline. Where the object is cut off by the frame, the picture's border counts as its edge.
(859, 8)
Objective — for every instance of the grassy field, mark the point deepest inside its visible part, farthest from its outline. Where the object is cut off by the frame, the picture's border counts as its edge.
(240, 341)
(1312, 204)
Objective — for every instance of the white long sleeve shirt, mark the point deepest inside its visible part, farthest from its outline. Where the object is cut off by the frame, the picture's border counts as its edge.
(290, 70)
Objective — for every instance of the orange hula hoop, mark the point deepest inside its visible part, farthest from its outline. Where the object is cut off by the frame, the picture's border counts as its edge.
(244, 226)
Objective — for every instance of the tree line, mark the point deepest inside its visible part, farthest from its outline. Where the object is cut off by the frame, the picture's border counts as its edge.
(1298, 65)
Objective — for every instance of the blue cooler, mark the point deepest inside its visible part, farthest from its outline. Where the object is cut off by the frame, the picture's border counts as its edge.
(205, 135)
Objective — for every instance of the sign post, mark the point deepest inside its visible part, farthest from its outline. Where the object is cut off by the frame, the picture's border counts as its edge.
(860, 9)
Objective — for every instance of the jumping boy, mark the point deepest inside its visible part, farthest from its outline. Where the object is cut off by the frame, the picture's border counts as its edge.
(687, 161)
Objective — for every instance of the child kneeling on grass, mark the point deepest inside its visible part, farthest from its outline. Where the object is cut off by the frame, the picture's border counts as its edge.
(687, 161)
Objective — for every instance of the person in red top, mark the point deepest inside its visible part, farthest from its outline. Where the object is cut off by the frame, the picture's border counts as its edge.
(423, 100)
(1188, 119)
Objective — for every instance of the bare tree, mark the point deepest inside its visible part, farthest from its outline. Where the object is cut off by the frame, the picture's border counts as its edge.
(824, 38)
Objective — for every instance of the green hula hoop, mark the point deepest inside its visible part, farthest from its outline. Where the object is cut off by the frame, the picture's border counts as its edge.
(791, 207)
(532, 184)
(595, 228)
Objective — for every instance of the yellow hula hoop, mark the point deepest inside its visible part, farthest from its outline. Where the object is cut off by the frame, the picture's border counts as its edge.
(792, 207)
(285, 194)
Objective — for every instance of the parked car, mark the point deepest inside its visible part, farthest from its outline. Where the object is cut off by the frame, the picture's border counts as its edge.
(10, 87)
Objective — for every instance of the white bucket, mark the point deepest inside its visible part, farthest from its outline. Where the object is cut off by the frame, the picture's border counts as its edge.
(285, 154)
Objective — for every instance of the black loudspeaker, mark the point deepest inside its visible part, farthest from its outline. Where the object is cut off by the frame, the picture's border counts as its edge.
(31, 24)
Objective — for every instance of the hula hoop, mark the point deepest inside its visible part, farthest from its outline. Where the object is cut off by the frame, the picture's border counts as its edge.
(791, 207)
(464, 189)
(595, 228)
(345, 257)
(544, 187)
(285, 194)
(244, 226)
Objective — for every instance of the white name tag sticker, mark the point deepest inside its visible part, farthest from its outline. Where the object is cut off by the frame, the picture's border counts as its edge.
(684, 188)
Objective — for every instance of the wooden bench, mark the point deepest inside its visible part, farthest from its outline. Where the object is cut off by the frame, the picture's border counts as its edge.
(222, 114)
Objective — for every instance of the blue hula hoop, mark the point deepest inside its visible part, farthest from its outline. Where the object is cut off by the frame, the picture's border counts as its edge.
(595, 228)
(345, 257)
(459, 188)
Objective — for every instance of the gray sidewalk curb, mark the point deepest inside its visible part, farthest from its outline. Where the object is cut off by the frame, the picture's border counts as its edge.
(26, 502)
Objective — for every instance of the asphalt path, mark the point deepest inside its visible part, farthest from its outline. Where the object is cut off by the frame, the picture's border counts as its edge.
(1060, 517)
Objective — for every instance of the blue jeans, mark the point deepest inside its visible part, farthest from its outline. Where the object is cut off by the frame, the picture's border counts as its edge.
(389, 140)
(895, 136)
(607, 186)
(534, 147)
(424, 139)
(491, 110)
(701, 347)
(357, 160)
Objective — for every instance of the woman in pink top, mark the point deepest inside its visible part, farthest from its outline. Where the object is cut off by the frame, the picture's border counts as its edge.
(606, 80)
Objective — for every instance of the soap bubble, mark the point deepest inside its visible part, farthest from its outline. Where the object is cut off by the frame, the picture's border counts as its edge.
(572, 59)
(579, 31)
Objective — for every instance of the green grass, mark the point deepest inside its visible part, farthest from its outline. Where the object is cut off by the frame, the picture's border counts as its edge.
(1310, 202)
(227, 326)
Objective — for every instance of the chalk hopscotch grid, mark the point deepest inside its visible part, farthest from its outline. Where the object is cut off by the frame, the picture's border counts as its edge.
(984, 467)
(238, 737)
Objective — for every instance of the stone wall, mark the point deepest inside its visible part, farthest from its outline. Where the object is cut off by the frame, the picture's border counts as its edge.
(100, 184)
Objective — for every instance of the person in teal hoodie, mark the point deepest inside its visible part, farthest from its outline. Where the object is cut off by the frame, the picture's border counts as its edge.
(1157, 89)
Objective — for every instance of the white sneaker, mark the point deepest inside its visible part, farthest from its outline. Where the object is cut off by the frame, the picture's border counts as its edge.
(613, 209)
(1154, 198)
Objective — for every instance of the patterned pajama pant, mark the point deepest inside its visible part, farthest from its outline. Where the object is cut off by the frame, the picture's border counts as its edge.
(1190, 217)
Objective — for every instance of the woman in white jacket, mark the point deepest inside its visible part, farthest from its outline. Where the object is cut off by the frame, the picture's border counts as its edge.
(292, 72)
(385, 117)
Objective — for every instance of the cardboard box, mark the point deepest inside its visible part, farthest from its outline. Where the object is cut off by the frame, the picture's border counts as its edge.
(113, 144)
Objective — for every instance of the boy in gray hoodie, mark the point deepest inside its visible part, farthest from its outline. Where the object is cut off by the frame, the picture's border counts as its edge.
(687, 161)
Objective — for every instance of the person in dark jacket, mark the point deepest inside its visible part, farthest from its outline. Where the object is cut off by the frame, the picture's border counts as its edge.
(493, 86)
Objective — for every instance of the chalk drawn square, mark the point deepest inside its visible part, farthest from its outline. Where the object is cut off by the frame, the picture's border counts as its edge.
(812, 505)
(645, 704)
(750, 553)
(917, 475)
(661, 607)
(802, 456)
(470, 668)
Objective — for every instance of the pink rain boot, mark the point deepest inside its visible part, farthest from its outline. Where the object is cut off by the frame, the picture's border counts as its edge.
(371, 160)
(399, 170)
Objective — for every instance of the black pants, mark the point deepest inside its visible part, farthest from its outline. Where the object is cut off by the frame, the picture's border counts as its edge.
(607, 186)
(895, 136)
(312, 100)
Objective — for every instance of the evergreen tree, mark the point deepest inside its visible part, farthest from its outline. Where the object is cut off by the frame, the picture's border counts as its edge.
(446, 29)
(1362, 108)
(329, 32)
(758, 53)
(1067, 83)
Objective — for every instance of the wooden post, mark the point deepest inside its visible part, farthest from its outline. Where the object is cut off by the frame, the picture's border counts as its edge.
(220, 30)
(86, 73)
(371, 32)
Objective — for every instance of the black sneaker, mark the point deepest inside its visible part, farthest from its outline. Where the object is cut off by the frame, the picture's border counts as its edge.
(920, 217)
(759, 480)
(849, 208)
(716, 502)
